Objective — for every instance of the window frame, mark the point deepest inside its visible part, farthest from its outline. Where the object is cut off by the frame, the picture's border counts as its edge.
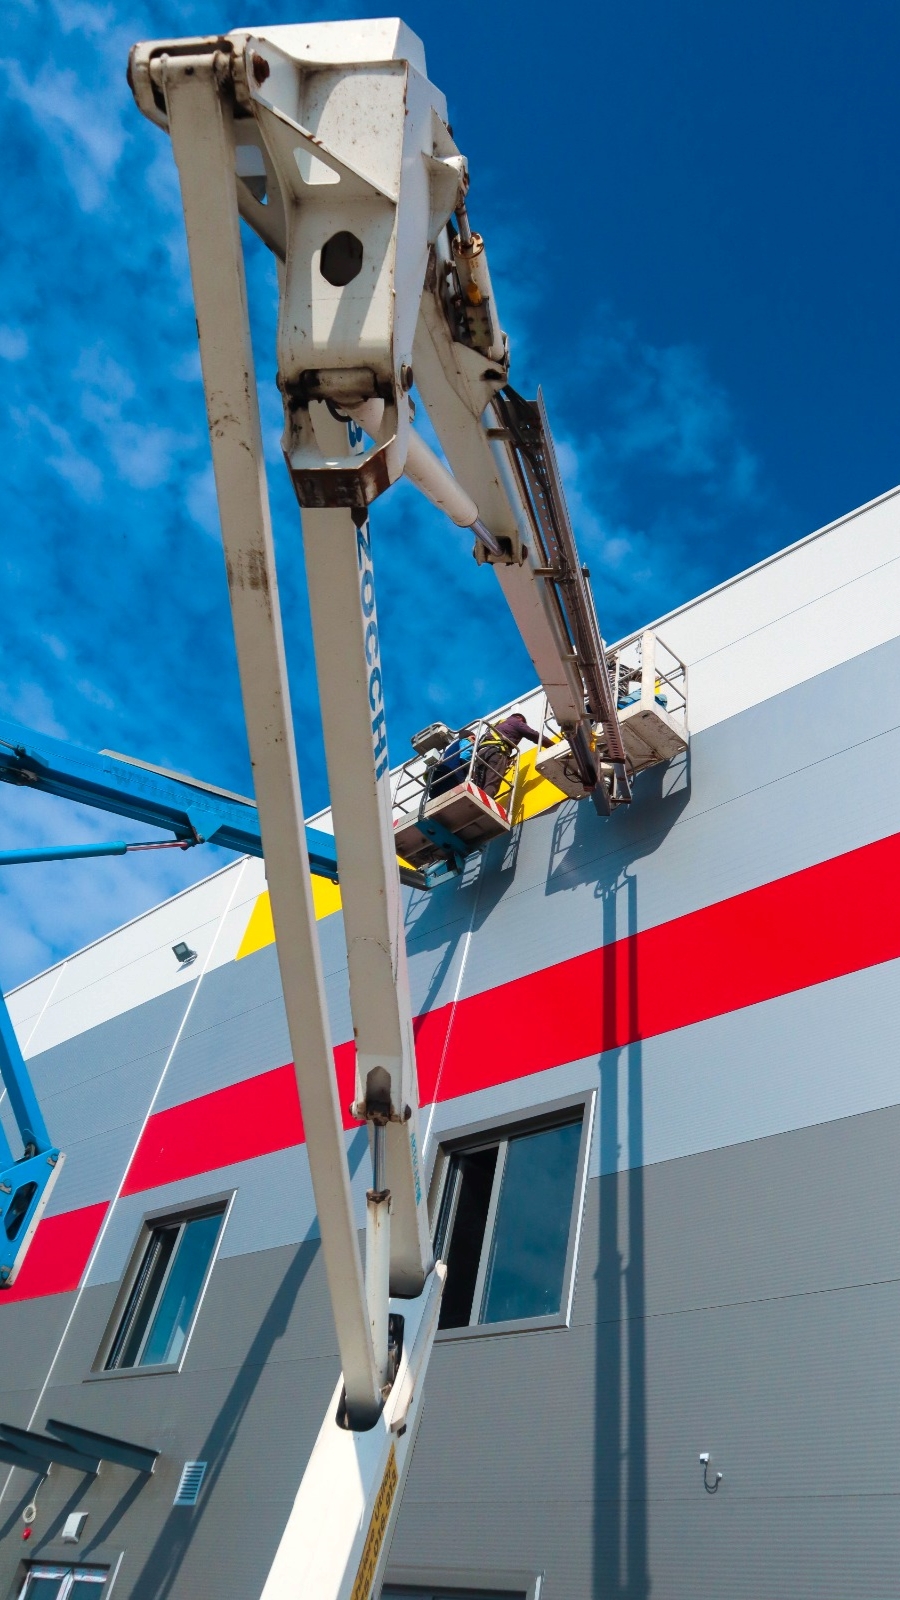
(454, 1582)
(69, 1569)
(150, 1222)
(498, 1131)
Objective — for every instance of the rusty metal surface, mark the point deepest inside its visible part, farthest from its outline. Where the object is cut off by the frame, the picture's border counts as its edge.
(328, 488)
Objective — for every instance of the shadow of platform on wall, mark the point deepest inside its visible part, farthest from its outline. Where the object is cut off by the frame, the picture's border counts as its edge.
(586, 848)
(621, 1556)
(446, 918)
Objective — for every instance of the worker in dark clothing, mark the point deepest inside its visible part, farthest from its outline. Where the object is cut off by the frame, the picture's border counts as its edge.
(451, 769)
(494, 751)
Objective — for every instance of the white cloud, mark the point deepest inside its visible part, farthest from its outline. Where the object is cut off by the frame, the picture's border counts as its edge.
(29, 704)
(143, 452)
(201, 503)
(78, 16)
(84, 128)
(187, 367)
(13, 343)
(93, 693)
(82, 474)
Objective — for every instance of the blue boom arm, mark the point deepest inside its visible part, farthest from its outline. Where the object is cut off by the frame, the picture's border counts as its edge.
(194, 812)
(26, 1184)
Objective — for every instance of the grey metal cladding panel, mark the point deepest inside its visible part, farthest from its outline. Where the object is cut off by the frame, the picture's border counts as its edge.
(29, 1333)
(273, 1205)
(93, 1168)
(764, 800)
(258, 1377)
(140, 1032)
(436, 952)
(112, 1099)
(226, 1052)
(584, 901)
(238, 1421)
(795, 1398)
(238, 1028)
(522, 1438)
(271, 1306)
(812, 1056)
(797, 1392)
(764, 1232)
(809, 1057)
(802, 1547)
(230, 991)
(798, 1546)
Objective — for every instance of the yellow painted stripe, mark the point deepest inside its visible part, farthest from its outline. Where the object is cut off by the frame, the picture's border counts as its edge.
(260, 929)
(534, 794)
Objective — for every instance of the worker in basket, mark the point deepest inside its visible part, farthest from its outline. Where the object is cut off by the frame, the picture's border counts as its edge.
(495, 748)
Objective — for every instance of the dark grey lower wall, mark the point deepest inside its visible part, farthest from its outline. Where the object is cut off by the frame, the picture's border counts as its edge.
(745, 1301)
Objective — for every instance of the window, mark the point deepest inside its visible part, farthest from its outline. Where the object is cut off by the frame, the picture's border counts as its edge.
(45, 1582)
(389, 1592)
(172, 1266)
(506, 1223)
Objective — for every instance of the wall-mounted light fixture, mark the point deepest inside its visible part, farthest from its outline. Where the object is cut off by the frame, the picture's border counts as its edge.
(184, 954)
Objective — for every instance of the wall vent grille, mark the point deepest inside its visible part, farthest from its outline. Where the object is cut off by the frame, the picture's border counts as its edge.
(189, 1484)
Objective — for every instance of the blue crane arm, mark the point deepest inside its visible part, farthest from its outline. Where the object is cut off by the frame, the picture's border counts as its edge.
(22, 1098)
(25, 1184)
(192, 811)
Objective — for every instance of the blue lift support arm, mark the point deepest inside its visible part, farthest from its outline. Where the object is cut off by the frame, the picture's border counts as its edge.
(26, 1184)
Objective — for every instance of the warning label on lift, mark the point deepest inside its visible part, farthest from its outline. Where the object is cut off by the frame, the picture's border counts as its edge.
(381, 1513)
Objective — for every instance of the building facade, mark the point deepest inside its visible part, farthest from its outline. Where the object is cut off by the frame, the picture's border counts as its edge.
(661, 1109)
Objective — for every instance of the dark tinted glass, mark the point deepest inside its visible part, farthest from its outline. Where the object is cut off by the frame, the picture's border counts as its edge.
(85, 1589)
(164, 1299)
(182, 1291)
(531, 1233)
(464, 1212)
(41, 1588)
(144, 1296)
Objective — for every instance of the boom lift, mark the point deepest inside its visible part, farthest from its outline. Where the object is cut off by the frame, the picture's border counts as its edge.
(331, 143)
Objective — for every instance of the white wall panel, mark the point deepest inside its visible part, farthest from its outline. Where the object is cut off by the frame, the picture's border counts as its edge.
(833, 596)
(134, 964)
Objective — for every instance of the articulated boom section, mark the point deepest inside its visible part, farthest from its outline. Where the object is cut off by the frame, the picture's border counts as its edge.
(26, 1183)
(332, 144)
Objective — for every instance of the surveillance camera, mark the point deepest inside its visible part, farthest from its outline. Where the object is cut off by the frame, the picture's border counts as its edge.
(705, 1458)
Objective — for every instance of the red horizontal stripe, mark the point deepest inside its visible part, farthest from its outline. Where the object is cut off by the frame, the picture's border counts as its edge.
(247, 1119)
(251, 1118)
(804, 929)
(57, 1255)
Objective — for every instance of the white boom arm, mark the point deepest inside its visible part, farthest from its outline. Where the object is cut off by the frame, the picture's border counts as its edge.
(332, 144)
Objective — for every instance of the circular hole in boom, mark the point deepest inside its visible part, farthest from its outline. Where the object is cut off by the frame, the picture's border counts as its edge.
(341, 258)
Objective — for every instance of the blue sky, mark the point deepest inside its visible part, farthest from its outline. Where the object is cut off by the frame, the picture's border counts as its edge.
(691, 212)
